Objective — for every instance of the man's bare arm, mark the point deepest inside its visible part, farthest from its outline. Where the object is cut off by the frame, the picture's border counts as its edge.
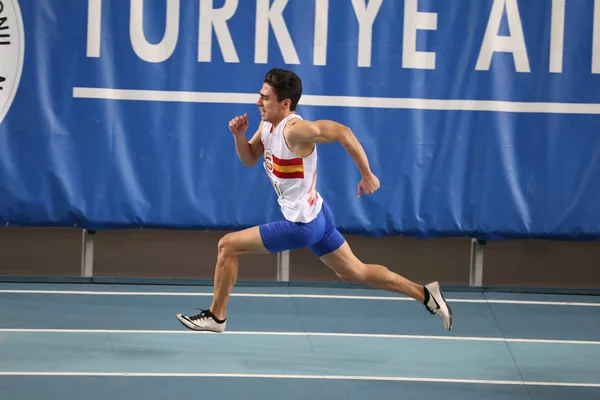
(327, 131)
(249, 152)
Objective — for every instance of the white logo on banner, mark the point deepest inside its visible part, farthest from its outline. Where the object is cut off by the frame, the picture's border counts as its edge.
(12, 50)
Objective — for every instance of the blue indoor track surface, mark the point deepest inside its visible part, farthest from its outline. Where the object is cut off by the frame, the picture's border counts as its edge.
(90, 341)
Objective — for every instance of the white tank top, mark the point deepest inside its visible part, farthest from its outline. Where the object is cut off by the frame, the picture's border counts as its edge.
(294, 178)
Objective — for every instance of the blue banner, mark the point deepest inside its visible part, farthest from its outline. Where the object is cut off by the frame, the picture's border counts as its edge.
(481, 118)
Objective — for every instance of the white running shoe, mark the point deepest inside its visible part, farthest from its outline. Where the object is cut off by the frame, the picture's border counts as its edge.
(438, 305)
(203, 321)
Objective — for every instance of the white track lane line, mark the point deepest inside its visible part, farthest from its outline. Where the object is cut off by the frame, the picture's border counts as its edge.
(314, 377)
(287, 296)
(326, 334)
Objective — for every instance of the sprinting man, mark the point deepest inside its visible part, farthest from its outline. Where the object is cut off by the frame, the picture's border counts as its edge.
(287, 144)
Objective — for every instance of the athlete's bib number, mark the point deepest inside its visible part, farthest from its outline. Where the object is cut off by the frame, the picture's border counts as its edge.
(276, 187)
(273, 182)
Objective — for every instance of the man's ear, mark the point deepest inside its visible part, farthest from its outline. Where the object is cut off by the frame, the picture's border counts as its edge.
(286, 103)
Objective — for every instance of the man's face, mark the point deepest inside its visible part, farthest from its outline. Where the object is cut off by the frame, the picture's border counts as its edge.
(270, 109)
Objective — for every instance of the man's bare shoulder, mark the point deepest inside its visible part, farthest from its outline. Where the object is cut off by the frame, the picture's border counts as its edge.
(317, 131)
(296, 125)
(298, 130)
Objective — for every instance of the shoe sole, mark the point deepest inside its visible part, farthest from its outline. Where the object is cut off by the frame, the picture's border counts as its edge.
(441, 294)
(190, 325)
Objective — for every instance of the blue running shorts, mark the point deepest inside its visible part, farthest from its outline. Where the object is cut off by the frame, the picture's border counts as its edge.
(320, 235)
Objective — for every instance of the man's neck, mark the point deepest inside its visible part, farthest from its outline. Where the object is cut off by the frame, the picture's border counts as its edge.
(278, 121)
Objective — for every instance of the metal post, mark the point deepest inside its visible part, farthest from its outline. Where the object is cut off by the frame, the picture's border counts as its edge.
(87, 253)
(476, 269)
(283, 266)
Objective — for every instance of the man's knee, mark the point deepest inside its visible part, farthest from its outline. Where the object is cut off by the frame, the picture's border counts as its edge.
(226, 246)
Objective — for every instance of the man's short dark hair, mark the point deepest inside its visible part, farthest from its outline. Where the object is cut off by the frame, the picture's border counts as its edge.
(287, 85)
